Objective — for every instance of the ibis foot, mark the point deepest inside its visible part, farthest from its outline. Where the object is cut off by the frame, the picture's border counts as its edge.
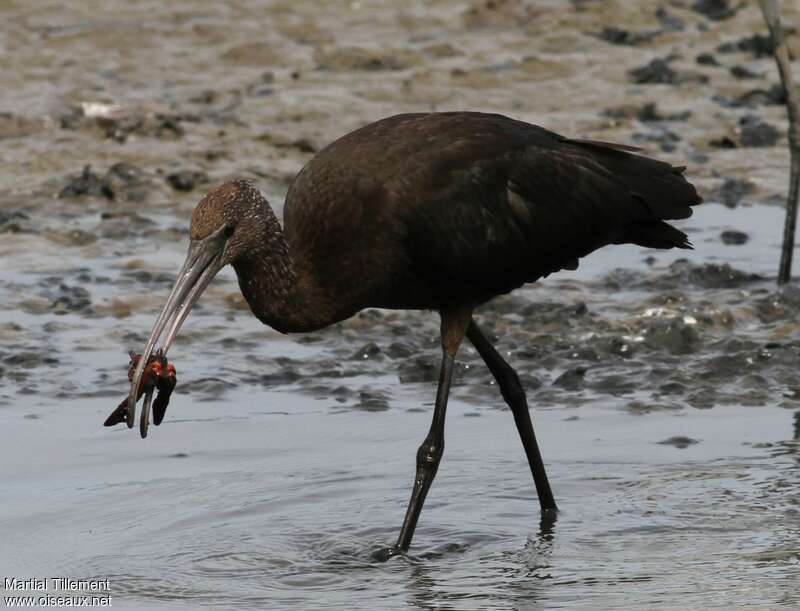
(386, 553)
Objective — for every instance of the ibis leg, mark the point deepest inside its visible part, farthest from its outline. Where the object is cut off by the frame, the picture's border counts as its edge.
(454, 325)
(514, 395)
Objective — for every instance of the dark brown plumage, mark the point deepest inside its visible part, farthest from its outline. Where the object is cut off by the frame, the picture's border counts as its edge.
(439, 211)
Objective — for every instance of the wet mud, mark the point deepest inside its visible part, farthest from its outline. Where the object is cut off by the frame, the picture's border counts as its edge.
(664, 385)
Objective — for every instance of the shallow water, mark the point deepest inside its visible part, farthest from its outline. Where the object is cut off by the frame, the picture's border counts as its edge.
(663, 385)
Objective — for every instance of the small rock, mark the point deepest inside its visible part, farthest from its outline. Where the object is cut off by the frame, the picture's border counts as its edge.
(753, 132)
(679, 441)
(419, 369)
(571, 379)
(760, 45)
(370, 351)
(186, 180)
(29, 360)
(714, 9)
(774, 96)
(706, 59)
(617, 36)
(709, 275)
(724, 142)
(86, 183)
(12, 221)
(674, 336)
(669, 23)
(121, 181)
(70, 299)
(732, 191)
(657, 71)
(732, 237)
(399, 350)
(124, 181)
(663, 137)
(649, 112)
(372, 401)
(741, 72)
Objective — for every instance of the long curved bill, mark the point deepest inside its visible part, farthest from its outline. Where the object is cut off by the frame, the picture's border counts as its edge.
(202, 263)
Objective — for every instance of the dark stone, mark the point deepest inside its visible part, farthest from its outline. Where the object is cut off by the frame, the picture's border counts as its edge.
(741, 72)
(70, 299)
(121, 179)
(419, 369)
(725, 142)
(617, 36)
(86, 183)
(774, 96)
(706, 59)
(649, 112)
(12, 221)
(732, 191)
(29, 360)
(370, 351)
(709, 275)
(186, 180)
(571, 379)
(674, 336)
(663, 137)
(657, 71)
(756, 133)
(714, 9)
(669, 23)
(679, 441)
(760, 45)
(399, 350)
(372, 401)
(732, 237)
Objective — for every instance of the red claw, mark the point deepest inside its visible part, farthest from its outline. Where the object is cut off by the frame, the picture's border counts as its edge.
(158, 374)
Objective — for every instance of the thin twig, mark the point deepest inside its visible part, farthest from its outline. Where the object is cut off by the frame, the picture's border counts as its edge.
(772, 16)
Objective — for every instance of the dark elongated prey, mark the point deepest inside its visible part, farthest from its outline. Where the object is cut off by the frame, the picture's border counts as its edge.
(437, 211)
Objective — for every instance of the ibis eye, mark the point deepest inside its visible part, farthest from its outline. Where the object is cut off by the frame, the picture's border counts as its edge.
(228, 231)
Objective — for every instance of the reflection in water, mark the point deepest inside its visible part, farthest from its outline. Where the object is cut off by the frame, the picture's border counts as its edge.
(547, 525)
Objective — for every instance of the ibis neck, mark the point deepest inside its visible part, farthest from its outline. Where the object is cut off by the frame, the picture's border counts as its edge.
(273, 282)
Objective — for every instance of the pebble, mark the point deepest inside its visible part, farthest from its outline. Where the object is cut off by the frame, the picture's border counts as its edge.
(714, 9)
(186, 180)
(733, 237)
(760, 45)
(732, 191)
(657, 71)
(618, 36)
(742, 72)
(706, 59)
(753, 132)
(679, 441)
(573, 378)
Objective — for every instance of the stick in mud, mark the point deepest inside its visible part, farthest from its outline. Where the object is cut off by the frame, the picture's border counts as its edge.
(772, 16)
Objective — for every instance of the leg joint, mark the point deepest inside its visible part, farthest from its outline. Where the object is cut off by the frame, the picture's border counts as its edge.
(429, 454)
(514, 395)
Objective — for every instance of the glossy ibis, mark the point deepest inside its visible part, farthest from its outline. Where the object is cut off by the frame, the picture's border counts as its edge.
(437, 211)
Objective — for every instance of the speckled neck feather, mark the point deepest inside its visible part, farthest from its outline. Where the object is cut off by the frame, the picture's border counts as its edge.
(278, 293)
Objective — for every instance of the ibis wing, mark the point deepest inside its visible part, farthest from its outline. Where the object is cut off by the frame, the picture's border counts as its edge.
(512, 219)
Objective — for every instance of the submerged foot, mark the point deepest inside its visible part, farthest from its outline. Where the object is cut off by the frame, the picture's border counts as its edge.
(385, 553)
